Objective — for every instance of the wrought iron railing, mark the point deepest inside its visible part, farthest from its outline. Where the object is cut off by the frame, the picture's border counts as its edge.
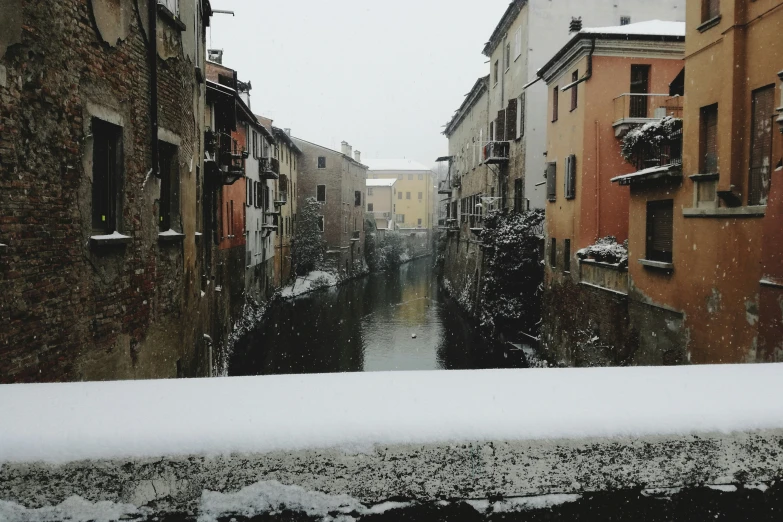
(668, 153)
(646, 107)
(496, 151)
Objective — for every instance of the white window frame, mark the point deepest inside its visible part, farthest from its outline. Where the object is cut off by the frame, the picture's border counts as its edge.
(517, 43)
(520, 116)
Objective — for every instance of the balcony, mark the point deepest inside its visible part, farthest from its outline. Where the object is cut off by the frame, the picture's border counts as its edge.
(224, 162)
(282, 198)
(656, 162)
(444, 187)
(631, 110)
(496, 152)
(269, 168)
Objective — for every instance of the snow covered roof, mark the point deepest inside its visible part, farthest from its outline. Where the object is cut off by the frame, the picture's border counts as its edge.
(648, 174)
(73, 421)
(394, 165)
(381, 182)
(649, 28)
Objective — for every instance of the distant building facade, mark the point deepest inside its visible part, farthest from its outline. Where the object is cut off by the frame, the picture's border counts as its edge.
(289, 156)
(382, 202)
(414, 203)
(337, 181)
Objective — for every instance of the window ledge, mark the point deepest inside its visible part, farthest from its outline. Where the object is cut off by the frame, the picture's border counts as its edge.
(106, 240)
(726, 212)
(657, 264)
(171, 18)
(170, 235)
(712, 22)
(705, 177)
(611, 266)
(770, 283)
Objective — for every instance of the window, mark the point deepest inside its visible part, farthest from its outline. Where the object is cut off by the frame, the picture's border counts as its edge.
(709, 9)
(574, 90)
(709, 140)
(369, 207)
(496, 71)
(660, 230)
(357, 198)
(567, 255)
(625, 20)
(551, 181)
(410, 177)
(570, 177)
(399, 177)
(407, 195)
(399, 195)
(553, 253)
(520, 116)
(508, 55)
(369, 191)
(106, 176)
(171, 5)
(518, 195)
(321, 193)
(248, 192)
(419, 222)
(518, 43)
(421, 195)
(555, 94)
(321, 223)
(763, 106)
(640, 87)
(400, 218)
(321, 162)
(169, 186)
(421, 177)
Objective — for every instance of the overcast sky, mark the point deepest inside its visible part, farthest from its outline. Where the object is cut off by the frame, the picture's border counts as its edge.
(384, 76)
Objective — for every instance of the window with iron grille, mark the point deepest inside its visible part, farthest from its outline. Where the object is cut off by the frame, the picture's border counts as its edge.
(553, 253)
(555, 102)
(709, 139)
(570, 177)
(709, 9)
(763, 107)
(106, 176)
(660, 230)
(320, 193)
(566, 255)
(551, 181)
(574, 90)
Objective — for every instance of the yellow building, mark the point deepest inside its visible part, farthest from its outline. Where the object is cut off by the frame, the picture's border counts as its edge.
(414, 205)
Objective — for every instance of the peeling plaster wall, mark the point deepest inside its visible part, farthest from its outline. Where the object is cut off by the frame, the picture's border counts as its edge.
(419, 473)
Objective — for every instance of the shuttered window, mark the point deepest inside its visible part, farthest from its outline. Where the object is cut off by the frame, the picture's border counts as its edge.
(511, 119)
(551, 180)
(570, 177)
(321, 193)
(567, 255)
(555, 95)
(500, 126)
(520, 116)
(660, 230)
(709, 9)
(763, 106)
(553, 253)
(709, 139)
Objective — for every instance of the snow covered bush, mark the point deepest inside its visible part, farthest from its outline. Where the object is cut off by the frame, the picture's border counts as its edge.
(387, 252)
(514, 274)
(655, 135)
(308, 245)
(606, 250)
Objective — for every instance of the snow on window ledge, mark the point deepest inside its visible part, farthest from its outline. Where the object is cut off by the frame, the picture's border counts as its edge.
(657, 264)
(112, 239)
(747, 211)
(171, 235)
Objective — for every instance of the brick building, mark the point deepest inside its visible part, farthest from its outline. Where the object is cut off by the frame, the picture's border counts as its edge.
(100, 185)
(338, 181)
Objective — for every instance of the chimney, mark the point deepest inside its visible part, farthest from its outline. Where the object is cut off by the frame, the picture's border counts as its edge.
(288, 132)
(357, 156)
(350, 151)
(576, 25)
(344, 148)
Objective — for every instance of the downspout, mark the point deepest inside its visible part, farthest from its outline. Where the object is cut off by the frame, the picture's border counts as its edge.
(597, 181)
(152, 12)
(588, 73)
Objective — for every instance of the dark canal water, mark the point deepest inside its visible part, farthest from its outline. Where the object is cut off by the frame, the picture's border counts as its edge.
(368, 325)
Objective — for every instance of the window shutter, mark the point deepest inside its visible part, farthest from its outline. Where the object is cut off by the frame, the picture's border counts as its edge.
(551, 180)
(500, 126)
(570, 181)
(660, 230)
(518, 43)
(511, 120)
(521, 116)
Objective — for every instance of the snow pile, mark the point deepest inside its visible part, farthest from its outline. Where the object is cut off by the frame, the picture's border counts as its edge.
(73, 421)
(272, 497)
(405, 257)
(606, 250)
(651, 136)
(315, 280)
(73, 509)
(512, 505)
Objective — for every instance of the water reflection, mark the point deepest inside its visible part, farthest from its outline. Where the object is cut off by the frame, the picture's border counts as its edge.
(392, 321)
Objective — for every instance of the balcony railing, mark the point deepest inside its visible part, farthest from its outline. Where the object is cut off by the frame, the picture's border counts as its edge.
(669, 153)
(269, 168)
(281, 199)
(444, 187)
(641, 108)
(496, 152)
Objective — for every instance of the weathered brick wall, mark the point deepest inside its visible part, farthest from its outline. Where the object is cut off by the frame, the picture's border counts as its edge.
(69, 311)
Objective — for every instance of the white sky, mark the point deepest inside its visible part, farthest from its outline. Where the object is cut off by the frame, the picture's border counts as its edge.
(384, 76)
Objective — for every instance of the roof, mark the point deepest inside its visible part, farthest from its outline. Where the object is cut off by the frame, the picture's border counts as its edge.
(652, 30)
(283, 136)
(395, 165)
(295, 139)
(381, 182)
(470, 99)
(505, 21)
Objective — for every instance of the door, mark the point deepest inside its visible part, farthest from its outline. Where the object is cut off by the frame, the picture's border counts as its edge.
(640, 88)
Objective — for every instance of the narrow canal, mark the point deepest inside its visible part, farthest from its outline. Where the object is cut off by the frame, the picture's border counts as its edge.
(398, 320)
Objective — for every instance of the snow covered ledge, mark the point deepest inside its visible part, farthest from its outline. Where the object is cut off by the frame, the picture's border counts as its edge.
(364, 443)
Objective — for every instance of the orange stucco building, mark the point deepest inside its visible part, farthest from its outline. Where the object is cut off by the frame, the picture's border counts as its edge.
(603, 83)
(724, 278)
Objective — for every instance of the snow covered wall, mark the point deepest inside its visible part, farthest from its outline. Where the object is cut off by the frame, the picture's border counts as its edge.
(360, 444)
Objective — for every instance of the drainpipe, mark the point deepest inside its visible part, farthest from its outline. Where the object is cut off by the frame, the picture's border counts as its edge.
(152, 12)
(588, 73)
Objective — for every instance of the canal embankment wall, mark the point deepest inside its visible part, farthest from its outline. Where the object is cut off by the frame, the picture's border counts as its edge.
(421, 442)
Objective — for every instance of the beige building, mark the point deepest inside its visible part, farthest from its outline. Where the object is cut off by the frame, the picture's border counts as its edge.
(289, 155)
(381, 202)
(415, 190)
